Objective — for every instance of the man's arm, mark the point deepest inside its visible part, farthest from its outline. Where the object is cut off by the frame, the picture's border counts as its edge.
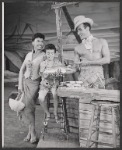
(76, 55)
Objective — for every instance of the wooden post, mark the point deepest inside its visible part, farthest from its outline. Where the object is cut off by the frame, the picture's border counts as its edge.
(71, 24)
(106, 71)
(116, 70)
(4, 62)
(59, 32)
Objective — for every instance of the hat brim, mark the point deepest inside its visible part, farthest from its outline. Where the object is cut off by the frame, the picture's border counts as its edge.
(86, 20)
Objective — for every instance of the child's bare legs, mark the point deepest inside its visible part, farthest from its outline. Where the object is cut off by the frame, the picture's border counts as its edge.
(53, 90)
(42, 95)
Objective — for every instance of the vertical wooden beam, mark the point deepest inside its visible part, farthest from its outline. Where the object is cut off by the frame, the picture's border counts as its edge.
(106, 71)
(59, 32)
(116, 70)
(4, 62)
(71, 24)
(111, 69)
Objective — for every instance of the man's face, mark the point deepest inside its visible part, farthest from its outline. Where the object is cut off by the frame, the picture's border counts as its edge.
(38, 44)
(50, 53)
(82, 31)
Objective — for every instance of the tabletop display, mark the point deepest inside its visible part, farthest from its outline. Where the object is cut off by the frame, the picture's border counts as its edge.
(59, 70)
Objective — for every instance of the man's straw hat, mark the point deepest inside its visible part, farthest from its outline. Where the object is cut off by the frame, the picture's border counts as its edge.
(82, 19)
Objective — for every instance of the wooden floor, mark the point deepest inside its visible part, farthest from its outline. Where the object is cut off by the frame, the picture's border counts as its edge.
(56, 144)
(58, 141)
(14, 133)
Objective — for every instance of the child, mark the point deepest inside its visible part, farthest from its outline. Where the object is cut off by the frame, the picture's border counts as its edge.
(49, 82)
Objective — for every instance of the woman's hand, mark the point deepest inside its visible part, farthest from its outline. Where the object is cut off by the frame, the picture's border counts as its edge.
(20, 90)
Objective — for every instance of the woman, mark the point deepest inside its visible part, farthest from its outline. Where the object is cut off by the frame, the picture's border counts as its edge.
(29, 80)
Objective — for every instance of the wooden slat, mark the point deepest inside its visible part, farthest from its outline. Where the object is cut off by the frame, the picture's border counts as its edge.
(116, 70)
(98, 94)
(105, 128)
(71, 24)
(111, 46)
(106, 71)
(9, 74)
(59, 33)
(58, 5)
(11, 80)
(21, 54)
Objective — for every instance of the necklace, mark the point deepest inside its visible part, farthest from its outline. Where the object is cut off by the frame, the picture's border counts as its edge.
(88, 43)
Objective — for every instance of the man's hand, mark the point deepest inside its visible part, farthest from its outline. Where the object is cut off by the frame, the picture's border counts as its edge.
(83, 62)
(77, 63)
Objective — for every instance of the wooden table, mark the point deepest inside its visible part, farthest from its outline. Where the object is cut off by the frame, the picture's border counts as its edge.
(84, 97)
(89, 94)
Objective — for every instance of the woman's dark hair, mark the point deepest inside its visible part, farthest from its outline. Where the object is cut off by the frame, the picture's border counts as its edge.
(38, 35)
(87, 25)
(50, 46)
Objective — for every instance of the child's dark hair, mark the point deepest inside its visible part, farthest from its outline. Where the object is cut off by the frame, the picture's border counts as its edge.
(50, 46)
(38, 35)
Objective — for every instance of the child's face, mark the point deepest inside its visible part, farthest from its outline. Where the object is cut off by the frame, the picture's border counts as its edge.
(50, 53)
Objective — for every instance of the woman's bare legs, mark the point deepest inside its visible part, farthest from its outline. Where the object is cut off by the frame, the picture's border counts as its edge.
(33, 131)
(28, 137)
(31, 136)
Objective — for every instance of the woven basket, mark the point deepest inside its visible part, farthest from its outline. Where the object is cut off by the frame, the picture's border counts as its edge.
(16, 104)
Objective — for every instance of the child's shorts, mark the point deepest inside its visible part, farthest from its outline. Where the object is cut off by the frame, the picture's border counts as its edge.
(46, 85)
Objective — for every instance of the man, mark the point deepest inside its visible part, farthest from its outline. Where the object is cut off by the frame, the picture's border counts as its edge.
(91, 54)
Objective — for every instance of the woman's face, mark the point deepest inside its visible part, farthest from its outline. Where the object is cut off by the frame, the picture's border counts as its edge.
(38, 44)
(50, 53)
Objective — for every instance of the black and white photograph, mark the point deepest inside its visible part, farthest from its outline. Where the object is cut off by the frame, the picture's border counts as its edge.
(61, 74)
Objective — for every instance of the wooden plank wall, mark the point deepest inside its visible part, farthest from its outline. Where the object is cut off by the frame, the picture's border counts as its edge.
(104, 14)
(112, 70)
(79, 116)
(105, 134)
